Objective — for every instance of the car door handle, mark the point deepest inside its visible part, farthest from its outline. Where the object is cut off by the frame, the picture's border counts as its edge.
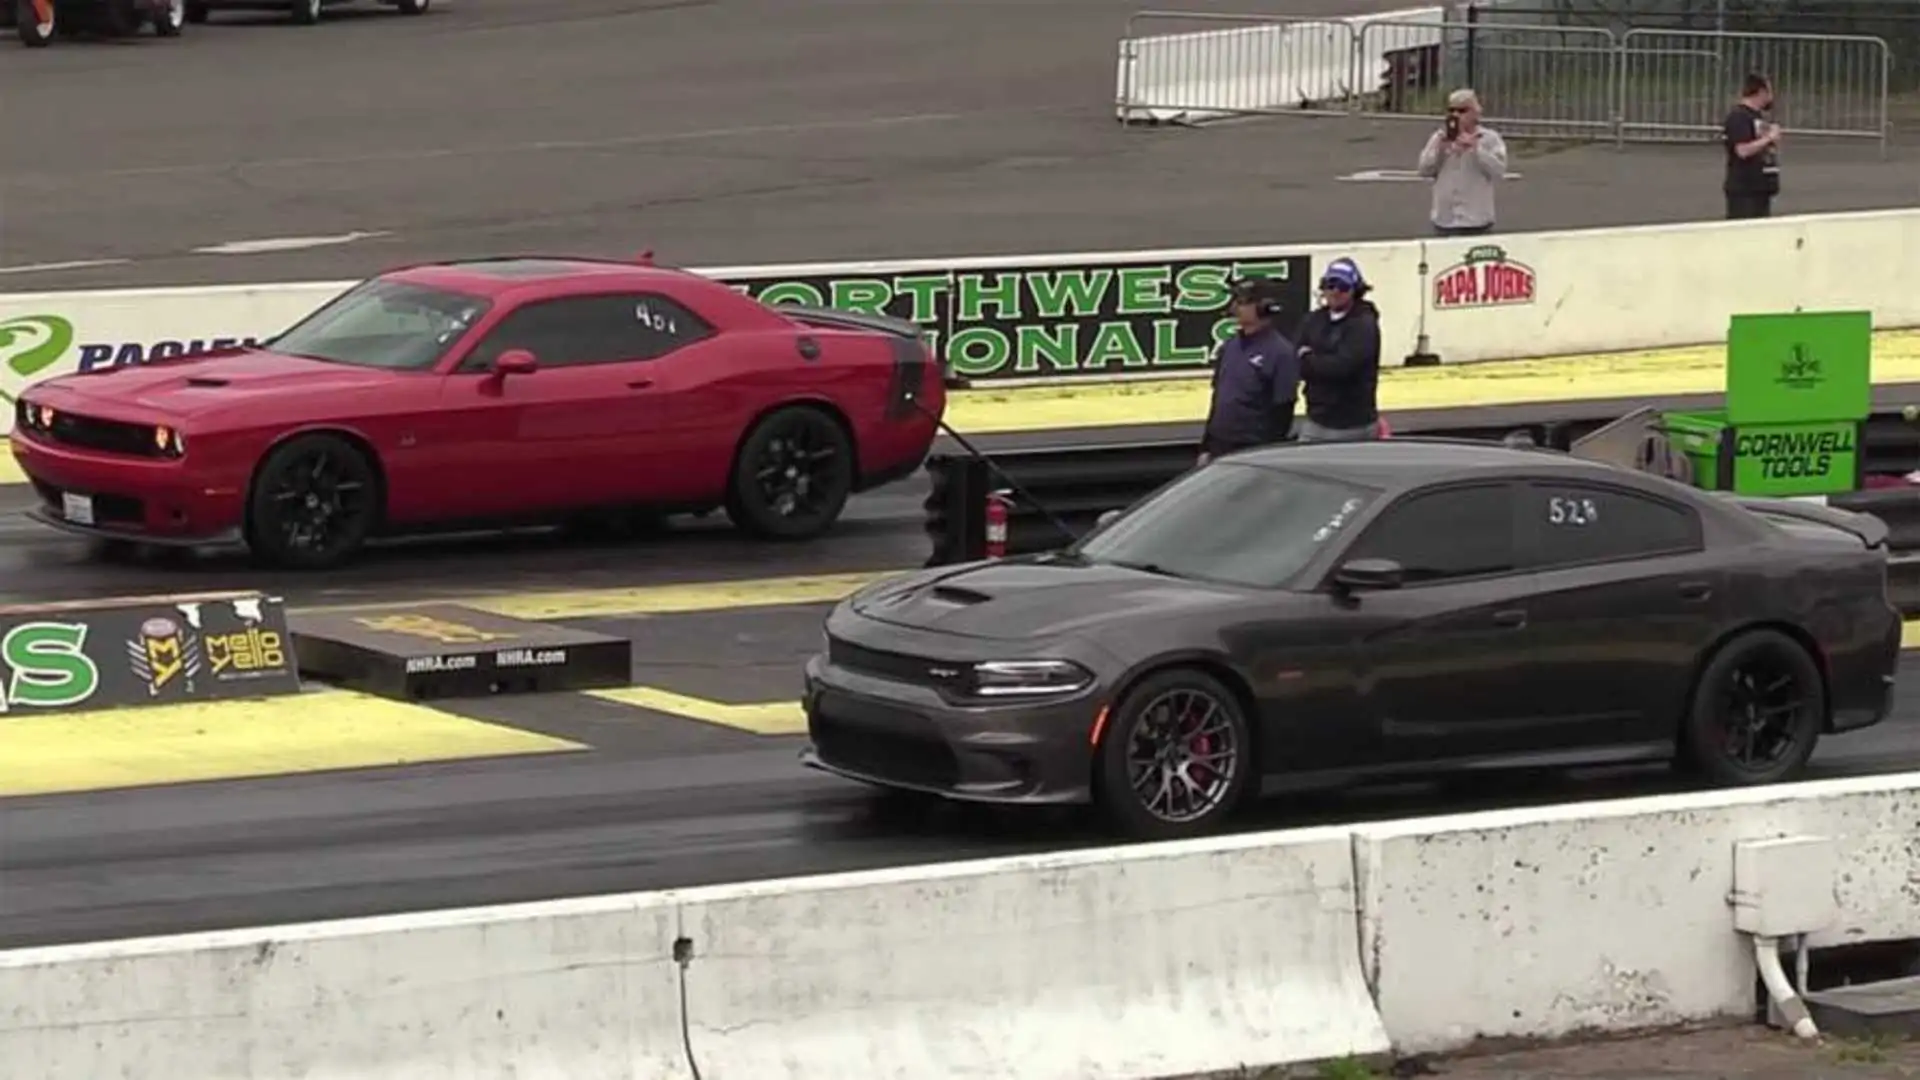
(639, 384)
(1695, 590)
(1512, 619)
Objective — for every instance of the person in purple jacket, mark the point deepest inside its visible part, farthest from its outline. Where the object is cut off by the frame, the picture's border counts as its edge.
(1256, 375)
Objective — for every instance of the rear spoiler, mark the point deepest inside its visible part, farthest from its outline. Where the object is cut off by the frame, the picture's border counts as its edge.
(1871, 530)
(852, 320)
(860, 320)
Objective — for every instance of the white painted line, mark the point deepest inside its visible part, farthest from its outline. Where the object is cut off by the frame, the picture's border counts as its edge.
(1395, 176)
(77, 264)
(284, 243)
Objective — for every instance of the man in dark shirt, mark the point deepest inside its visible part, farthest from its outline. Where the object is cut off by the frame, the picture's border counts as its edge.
(1256, 376)
(1340, 359)
(1753, 162)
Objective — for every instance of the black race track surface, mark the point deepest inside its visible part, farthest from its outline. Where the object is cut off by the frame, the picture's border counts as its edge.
(659, 801)
(719, 132)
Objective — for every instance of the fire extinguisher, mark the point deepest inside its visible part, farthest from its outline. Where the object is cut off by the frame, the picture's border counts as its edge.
(999, 503)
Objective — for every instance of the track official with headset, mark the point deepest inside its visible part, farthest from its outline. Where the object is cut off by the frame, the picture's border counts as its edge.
(1256, 376)
(1340, 359)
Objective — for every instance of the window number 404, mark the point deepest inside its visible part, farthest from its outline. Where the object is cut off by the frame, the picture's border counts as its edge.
(1566, 511)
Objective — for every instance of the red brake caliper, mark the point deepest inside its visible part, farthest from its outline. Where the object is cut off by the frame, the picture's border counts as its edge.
(1200, 746)
(43, 11)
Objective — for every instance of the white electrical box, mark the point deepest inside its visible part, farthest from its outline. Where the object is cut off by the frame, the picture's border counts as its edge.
(1785, 886)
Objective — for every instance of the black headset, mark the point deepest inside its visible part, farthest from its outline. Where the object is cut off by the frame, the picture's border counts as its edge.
(1261, 291)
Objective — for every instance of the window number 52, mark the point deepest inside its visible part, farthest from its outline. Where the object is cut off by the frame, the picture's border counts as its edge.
(1566, 511)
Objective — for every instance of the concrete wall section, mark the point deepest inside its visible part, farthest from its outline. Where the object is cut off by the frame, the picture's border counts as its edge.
(1178, 960)
(1607, 917)
(577, 991)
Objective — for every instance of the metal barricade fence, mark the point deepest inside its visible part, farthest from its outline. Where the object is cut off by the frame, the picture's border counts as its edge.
(1534, 81)
(1674, 84)
(1182, 64)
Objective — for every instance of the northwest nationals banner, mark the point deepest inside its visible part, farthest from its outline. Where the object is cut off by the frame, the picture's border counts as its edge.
(1030, 321)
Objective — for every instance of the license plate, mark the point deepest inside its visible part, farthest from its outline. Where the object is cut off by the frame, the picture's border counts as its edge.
(76, 508)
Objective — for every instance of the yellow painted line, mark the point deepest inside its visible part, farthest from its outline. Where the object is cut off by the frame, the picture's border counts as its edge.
(1655, 373)
(232, 740)
(653, 599)
(771, 718)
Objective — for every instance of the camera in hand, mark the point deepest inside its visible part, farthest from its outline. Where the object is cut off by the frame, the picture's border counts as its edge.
(1453, 127)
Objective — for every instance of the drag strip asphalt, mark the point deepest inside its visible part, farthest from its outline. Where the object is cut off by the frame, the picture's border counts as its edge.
(659, 802)
(723, 133)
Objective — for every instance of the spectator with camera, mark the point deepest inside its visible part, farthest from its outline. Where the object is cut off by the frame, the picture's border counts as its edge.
(1466, 160)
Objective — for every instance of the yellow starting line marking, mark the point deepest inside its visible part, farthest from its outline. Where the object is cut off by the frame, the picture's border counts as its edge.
(228, 740)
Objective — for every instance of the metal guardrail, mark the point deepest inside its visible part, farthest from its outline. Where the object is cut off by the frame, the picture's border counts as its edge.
(1535, 81)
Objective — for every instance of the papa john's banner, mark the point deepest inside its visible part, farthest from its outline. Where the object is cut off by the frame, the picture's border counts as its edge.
(1028, 320)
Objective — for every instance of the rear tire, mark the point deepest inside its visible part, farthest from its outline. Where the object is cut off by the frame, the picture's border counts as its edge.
(792, 475)
(34, 33)
(314, 502)
(1176, 758)
(1756, 714)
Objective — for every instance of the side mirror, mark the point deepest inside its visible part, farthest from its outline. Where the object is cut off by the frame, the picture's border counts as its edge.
(1106, 519)
(1369, 575)
(515, 362)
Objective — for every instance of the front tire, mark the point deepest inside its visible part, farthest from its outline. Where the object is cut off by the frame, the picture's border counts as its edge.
(1177, 758)
(314, 502)
(172, 21)
(35, 31)
(1756, 713)
(792, 476)
(306, 12)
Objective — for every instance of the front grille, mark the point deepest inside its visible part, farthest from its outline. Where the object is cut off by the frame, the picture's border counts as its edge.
(93, 433)
(895, 667)
(909, 757)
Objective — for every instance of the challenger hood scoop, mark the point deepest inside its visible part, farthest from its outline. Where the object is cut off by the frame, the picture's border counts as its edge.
(1021, 599)
(207, 382)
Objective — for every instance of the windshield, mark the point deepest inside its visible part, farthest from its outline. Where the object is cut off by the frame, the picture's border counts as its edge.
(1233, 523)
(384, 324)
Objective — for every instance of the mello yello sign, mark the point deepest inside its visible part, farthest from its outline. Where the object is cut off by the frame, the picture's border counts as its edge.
(1018, 321)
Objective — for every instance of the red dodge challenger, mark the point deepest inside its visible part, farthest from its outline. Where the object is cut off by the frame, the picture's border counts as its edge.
(491, 392)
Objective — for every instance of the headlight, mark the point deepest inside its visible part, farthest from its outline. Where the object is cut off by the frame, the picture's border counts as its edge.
(1027, 678)
(169, 441)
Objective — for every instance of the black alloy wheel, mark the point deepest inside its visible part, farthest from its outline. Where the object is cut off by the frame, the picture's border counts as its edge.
(792, 475)
(171, 22)
(314, 503)
(1758, 710)
(1176, 757)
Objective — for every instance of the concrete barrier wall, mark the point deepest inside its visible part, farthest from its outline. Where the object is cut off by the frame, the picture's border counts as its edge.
(1135, 963)
(576, 991)
(1182, 959)
(1607, 917)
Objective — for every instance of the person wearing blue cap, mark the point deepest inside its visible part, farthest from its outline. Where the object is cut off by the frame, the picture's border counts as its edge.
(1256, 375)
(1340, 359)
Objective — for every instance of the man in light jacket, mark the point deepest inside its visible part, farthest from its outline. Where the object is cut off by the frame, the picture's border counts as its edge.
(1466, 162)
